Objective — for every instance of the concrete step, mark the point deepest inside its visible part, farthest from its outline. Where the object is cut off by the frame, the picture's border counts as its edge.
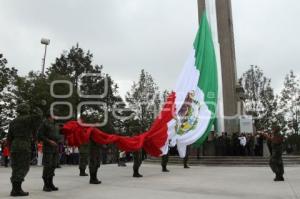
(226, 160)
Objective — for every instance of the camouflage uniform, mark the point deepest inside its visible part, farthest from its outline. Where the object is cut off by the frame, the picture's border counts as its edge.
(49, 132)
(83, 159)
(94, 161)
(21, 133)
(276, 162)
(135, 130)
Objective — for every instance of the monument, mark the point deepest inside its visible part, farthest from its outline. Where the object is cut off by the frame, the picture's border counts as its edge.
(225, 34)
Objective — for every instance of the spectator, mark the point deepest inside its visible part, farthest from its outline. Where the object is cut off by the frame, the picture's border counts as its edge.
(250, 145)
(243, 142)
(75, 156)
(68, 151)
(1, 152)
(40, 153)
(235, 143)
(6, 155)
(122, 159)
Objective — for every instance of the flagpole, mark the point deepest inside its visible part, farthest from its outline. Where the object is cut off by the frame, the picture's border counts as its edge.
(211, 13)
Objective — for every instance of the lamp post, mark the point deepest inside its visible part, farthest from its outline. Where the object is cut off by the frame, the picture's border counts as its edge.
(45, 42)
(296, 125)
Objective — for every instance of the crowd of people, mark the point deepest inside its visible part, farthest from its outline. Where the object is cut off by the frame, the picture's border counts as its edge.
(238, 144)
(250, 144)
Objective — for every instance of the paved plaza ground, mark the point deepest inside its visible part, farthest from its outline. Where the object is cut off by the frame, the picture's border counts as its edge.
(197, 182)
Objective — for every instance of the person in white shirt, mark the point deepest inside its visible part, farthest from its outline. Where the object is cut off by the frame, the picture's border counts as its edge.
(243, 142)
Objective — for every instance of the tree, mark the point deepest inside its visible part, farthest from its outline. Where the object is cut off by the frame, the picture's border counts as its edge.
(144, 100)
(71, 65)
(34, 89)
(8, 77)
(290, 99)
(260, 101)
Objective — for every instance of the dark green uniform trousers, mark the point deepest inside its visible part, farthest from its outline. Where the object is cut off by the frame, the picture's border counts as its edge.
(276, 162)
(164, 161)
(49, 163)
(137, 162)
(277, 166)
(83, 160)
(94, 158)
(20, 163)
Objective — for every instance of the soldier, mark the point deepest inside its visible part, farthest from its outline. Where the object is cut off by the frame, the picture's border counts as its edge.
(186, 158)
(83, 159)
(21, 132)
(137, 155)
(276, 162)
(49, 135)
(137, 162)
(94, 161)
(164, 162)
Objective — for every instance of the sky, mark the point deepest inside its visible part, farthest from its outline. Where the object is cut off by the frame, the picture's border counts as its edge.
(126, 36)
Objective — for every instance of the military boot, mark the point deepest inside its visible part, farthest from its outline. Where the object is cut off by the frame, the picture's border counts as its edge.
(136, 174)
(83, 173)
(46, 187)
(17, 190)
(186, 166)
(93, 178)
(164, 169)
(279, 178)
(23, 193)
(51, 185)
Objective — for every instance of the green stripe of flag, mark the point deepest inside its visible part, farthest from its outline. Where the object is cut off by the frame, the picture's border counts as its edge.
(207, 65)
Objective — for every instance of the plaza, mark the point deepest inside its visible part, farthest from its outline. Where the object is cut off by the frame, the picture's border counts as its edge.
(196, 182)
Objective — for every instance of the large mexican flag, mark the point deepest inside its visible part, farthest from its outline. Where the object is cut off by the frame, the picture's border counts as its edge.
(196, 94)
(186, 117)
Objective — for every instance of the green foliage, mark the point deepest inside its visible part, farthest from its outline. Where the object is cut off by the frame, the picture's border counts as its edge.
(290, 100)
(260, 101)
(70, 66)
(33, 89)
(144, 99)
(8, 78)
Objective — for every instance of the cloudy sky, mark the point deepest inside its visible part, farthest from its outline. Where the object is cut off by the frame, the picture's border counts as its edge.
(128, 35)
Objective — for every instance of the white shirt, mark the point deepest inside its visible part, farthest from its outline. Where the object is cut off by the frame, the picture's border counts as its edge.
(243, 141)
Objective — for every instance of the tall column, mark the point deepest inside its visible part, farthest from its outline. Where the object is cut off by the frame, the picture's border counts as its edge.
(229, 76)
(227, 60)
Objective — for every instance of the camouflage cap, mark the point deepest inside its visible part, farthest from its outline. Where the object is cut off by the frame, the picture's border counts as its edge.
(23, 108)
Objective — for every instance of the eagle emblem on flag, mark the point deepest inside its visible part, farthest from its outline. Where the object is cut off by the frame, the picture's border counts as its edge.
(188, 115)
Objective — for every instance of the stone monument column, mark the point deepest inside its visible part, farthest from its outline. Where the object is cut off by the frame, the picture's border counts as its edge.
(228, 63)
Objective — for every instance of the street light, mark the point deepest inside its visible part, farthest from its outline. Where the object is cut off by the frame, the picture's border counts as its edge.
(45, 42)
(296, 125)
